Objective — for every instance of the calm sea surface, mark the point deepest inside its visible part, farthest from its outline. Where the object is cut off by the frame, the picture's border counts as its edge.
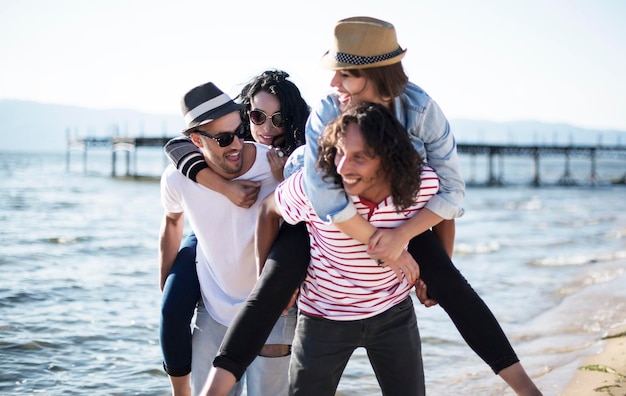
(79, 297)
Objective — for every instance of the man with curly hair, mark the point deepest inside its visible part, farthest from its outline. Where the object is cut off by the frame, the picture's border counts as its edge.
(348, 300)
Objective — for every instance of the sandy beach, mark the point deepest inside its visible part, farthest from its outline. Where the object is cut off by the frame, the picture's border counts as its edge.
(605, 372)
(601, 307)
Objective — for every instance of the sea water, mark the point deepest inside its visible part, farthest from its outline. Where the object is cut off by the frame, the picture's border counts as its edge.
(79, 295)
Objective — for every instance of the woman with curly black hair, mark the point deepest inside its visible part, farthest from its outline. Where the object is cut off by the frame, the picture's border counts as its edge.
(274, 114)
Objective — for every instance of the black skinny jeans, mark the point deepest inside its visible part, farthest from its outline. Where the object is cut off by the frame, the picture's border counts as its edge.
(286, 268)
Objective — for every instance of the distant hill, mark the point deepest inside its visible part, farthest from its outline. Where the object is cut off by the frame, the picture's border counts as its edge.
(32, 126)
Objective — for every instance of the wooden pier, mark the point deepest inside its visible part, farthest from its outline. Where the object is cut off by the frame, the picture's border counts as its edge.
(536, 152)
(118, 145)
(128, 146)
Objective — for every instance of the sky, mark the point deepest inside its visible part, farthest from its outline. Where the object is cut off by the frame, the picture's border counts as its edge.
(560, 61)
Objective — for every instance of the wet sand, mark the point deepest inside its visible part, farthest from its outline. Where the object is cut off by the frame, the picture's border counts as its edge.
(605, 372)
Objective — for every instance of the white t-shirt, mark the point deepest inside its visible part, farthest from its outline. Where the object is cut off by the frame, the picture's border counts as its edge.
(225, 252)
(343, 282)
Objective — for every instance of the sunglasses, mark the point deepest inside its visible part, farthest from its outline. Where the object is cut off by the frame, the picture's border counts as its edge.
(225, 139)
(258, 117)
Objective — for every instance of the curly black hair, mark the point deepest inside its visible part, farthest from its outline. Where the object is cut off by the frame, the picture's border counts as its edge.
(384, 137)
(293, 107)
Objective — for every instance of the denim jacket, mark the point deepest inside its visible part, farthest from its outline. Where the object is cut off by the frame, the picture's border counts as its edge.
(430, 134)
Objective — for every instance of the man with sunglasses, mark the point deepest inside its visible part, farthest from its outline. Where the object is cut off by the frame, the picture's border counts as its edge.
(225, 260)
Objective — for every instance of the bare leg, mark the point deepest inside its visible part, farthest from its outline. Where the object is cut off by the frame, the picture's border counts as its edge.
(519, 381)
(181, 386)
(219, 383)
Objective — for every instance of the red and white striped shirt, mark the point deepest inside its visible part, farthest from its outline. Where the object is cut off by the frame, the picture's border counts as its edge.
(343, 282)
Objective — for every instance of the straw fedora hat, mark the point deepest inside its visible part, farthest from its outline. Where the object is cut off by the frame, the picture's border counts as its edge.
(204, 104)
(363, 42)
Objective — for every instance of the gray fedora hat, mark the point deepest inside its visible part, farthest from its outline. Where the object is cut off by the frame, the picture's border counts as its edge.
(204, 104)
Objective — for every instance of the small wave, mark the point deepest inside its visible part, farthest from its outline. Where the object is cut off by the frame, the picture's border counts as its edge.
(61, 205)
(23, 297)
(581, 259)
(584, 222)
(616, 234)
(63, 240)
(33, 345)
(56, 368)
(575, 343)
(482, 248)
(532, 204)
(604, 276)
(152, 371)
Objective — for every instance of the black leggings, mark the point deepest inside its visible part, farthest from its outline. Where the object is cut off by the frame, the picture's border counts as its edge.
(286, 268)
